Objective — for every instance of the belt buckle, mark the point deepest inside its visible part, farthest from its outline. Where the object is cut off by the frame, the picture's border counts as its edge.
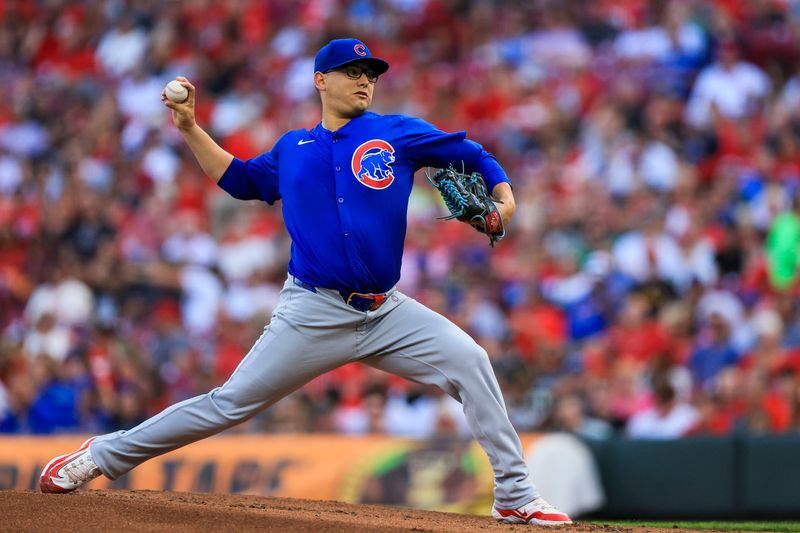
(375, 299)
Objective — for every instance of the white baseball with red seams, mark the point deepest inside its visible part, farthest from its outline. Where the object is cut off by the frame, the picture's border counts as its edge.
(176, 92)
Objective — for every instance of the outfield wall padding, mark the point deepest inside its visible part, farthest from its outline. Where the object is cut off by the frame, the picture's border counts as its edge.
(700, 478)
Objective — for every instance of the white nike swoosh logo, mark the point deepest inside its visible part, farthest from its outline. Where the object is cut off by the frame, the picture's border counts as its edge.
(302, 142)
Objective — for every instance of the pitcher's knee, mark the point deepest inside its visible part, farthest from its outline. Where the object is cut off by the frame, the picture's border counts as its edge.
(474, 355)
(233, 410)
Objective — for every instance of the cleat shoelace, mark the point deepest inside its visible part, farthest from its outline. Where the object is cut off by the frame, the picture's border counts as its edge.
(544, 506)
(81, 470)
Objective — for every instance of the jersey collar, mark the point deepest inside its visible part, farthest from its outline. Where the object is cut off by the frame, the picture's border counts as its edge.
(319, 128)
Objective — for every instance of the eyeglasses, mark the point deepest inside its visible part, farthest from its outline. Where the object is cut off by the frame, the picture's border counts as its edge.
(355, 72)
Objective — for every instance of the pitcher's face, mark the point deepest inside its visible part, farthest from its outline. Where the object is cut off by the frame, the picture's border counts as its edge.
(347, 90)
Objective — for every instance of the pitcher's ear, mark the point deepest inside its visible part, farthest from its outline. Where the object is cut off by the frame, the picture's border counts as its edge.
(319, 81)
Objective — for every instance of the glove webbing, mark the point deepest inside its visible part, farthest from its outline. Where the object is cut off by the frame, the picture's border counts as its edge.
(468, 200)
(454, 200)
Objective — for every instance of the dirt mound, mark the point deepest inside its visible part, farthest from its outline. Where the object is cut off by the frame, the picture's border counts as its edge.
(143, 511)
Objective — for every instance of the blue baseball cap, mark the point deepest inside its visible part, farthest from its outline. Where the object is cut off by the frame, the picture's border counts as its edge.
(340, 52)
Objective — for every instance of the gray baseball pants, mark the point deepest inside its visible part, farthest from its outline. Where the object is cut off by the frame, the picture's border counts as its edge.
(312, 333)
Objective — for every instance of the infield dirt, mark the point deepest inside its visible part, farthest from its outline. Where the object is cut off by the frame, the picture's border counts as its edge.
(150, 511)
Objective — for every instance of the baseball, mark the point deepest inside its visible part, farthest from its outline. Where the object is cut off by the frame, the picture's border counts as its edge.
(176, 92)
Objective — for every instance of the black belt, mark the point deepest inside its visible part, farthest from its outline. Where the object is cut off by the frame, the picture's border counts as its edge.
(356, 300)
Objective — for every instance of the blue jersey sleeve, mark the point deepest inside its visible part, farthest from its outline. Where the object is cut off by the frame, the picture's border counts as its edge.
(430, 146)
(254, 179)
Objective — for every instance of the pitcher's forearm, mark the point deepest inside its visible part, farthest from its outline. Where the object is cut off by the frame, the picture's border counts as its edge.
(508, 206)
(213, 159)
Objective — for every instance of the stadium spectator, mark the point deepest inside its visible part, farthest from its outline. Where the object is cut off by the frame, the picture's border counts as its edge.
(666, 419)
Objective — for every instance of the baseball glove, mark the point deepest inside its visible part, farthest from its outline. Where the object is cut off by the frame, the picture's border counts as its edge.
(468, 200)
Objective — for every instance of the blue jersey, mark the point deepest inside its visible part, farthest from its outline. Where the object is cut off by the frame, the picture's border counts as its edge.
(345, 193)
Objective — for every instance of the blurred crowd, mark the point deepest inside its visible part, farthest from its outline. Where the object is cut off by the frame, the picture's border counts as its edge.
(647, 287)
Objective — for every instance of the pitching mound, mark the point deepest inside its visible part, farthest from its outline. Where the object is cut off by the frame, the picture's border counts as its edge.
(142, 511)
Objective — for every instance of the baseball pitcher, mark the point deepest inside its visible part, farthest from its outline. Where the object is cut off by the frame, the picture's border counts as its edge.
(344, 188)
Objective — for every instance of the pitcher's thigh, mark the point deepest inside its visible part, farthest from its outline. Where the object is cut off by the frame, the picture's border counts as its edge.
(418, 343)
(282, 360)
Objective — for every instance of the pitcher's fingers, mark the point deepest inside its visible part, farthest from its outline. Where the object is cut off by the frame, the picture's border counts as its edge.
(186, 83)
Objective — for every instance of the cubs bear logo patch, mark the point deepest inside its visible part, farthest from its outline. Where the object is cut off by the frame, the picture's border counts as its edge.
(372, 162)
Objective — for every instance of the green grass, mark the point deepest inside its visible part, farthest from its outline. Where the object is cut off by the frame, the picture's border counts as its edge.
(716, 525)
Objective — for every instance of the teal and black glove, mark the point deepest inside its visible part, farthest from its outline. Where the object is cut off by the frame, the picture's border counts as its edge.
(468, 200)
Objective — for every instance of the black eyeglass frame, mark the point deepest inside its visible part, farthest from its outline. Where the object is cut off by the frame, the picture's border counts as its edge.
(355, 72)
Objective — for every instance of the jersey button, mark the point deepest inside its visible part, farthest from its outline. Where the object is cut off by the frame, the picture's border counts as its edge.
(338, 168)
(341, 200)
(335, 141)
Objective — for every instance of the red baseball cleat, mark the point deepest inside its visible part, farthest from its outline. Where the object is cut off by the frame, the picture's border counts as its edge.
(66, 473)
(537, 512)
